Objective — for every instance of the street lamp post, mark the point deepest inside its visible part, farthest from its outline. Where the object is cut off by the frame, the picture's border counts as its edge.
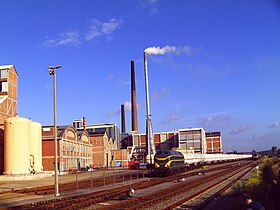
(52, 71)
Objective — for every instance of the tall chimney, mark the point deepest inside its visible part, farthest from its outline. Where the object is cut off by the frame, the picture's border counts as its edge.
(123, 118)
(134, 118)
(150, 144)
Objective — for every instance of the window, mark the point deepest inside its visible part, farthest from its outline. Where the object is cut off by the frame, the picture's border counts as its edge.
(4, 87)
(100, 130)
(135, 140)
(4, 74)
(163, 137)
(90, 130)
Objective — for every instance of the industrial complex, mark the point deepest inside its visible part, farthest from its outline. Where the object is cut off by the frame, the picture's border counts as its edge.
(27, 147)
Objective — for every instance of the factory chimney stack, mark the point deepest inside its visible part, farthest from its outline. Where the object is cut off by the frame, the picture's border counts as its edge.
(134, 118)
(150, 144)
(123, 119)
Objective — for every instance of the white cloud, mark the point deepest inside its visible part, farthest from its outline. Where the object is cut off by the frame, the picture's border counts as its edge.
(241, 129)
(112, 113)
(162, 93)
(151, 5)
(274, 125)
(215, 122)
(67, 38)
(171, 118)
(152, 1)
(127, 106)
(99, 28)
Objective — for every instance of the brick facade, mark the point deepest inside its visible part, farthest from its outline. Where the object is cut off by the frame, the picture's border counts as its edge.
(8, 102)
(102, 147)
(74, 148)
(214, 142)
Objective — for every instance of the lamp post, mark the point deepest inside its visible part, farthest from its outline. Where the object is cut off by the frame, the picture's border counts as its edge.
(52, 71)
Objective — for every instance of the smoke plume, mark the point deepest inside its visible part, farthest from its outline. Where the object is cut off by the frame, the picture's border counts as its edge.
(168, 49)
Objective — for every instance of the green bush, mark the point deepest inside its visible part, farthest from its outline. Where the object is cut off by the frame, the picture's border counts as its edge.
(259, 184)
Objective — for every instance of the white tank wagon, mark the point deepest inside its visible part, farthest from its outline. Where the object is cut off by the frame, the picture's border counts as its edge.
(193, 159)
(16, 145)
(212, 158)
(196, 160)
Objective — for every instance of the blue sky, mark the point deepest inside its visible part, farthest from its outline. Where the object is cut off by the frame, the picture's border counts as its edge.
(223, 73)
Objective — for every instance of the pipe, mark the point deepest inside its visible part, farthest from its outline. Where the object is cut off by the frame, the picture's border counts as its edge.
(150, 144)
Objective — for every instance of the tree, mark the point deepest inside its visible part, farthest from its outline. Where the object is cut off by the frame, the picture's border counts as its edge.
(273, 150)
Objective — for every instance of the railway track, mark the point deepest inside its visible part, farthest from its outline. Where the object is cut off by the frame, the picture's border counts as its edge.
(100, 182)
(206, 195)
(175, 194)
(121, 194)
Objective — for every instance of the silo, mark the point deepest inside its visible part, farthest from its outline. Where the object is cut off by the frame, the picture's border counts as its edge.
(35, 146)
(16, 145)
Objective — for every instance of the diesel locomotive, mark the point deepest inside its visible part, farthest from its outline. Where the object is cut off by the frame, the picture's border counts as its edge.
(167, 162)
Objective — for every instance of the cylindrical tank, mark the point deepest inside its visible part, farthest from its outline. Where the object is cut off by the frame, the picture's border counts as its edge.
(16, 145)
(36, 146)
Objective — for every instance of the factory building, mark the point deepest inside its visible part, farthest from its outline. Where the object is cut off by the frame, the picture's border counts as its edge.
(189, 140)
(136, 143)
(8, 102)
(111, 129)
(102, 150)
(214, 142)
(163, 140)
(74, 148)
(105, 140)
(192, 140)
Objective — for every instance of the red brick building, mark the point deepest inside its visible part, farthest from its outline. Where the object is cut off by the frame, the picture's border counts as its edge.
(8, 102)
(121, 157)
(214, 142)
(102, 147)
(74, 148)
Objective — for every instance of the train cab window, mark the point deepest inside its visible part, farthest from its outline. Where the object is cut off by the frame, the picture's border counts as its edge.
(158, 153)
(163, 152)
(166, 153)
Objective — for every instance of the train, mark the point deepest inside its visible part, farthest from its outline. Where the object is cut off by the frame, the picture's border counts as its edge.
(255, 156)
(167, 162)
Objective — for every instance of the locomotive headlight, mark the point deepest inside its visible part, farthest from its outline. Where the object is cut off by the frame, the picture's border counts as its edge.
(157, 165)
(167, 164)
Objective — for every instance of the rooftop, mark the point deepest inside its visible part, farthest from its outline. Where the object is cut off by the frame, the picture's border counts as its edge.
(6, 67)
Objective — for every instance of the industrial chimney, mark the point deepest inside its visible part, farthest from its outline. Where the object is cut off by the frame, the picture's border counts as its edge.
(134, 119)
(123, 119)
(150, 144)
